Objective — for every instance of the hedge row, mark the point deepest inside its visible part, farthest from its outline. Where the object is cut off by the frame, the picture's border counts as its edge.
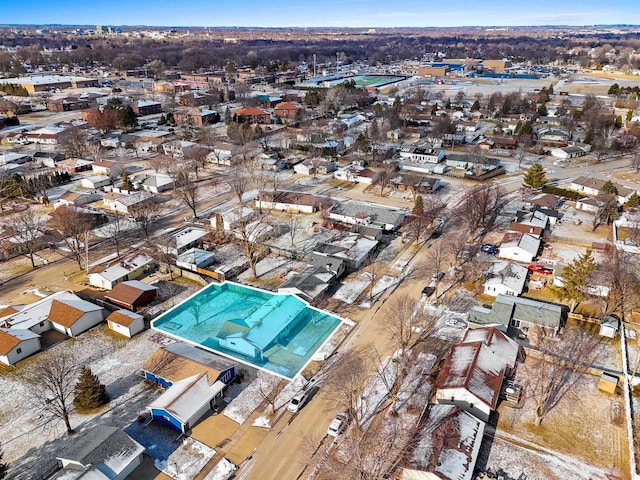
(563, 192)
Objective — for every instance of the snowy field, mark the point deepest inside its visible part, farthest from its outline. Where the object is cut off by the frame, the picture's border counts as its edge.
(30, 443)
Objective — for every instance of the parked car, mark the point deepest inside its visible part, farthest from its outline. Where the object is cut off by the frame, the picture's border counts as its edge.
(338, 425)
(489, 248)
(298, 401)
(428, 290)
(537, 268)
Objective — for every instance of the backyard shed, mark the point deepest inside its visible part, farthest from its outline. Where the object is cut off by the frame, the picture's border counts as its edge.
(125, 322)
(608, 383)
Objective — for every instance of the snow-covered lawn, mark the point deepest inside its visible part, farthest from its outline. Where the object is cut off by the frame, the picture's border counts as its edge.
(242, 406)
(222, 471)
(384, 283)
(30, 444)
(187, 460)
(352, 288)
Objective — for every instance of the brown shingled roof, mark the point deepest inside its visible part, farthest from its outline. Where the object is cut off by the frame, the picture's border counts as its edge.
(124, 293)
(6, 311)
(174, 367)
(121, 319)
(64, 314)
(7, 342)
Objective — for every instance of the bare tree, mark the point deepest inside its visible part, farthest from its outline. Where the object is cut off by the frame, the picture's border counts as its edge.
(294, 223)
(145, 215)
(480, 207)
(621, 274)
(562, 363)
(187, 189)
(74, 142)
(250, 234)
(384, 177)
(113, 230)
(196, 159)
(160, 163)
(407, 323)
(52, 385)
(74, 227)
(269, 387)
(29, 227)
(238, 180)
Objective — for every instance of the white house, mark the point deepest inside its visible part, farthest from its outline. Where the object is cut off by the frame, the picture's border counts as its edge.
(16, 344)
(129, 268)
(74, 316)
(520, 247)
(422, 154)
(356, 174)
(567, 152)
(95, 181)
(314, 165)
(593, 187)
(361, 213)
(609, 326)
(63, 311)
(288, 201)
(588, 204)
(125, 322)
(232, 219)
(505, 278)
(185, 239)
(124, 203)
(158, 182)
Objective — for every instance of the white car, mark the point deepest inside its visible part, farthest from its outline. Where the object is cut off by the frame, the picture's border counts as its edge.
(298, 401)
(338, 425)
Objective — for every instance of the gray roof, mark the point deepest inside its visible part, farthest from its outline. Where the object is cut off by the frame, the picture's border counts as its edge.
(506, 308)
(377, 213)
(99, 444)
(200, 356)
(319, 260)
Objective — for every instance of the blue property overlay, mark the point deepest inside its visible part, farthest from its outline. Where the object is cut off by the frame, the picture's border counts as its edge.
(275, 332)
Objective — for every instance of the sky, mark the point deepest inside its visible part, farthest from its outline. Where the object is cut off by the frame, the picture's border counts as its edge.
(327, 13)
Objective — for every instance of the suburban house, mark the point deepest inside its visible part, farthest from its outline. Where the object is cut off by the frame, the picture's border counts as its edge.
(589, 204)
(312, 166)
(356, 174)
(309, 284)
(179, 148)
(475, 369)
(186, 401)
(128, 203)
(95, 181)
(354, 249)
(532, 222)
(100, 453)
(222, 154)
(506, 143)
(414, 183)
(545, 200)
(232, 219)
(520, 247)
(48, 159)
(177, 361)
(16, 344)
(593, 187)
(361, 213)
(447, 447)
(157, 183)
(76, 198)
(286, 110)
(609, 326)
(252, 115)
(423, 154)
(505, 278)
(62, 311)
(286, 201)
(520, 313)
(334, 263)
(195, 260)
(196, 117)
(129, 268)
(125, 322)
(567, 152)
(74, 165)
(184, 239)
(132, 294)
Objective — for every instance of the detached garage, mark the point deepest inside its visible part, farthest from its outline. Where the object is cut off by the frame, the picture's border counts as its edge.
(125, 322)
(185, 402)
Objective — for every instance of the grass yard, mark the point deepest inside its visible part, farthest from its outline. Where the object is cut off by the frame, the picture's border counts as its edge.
(587, 425)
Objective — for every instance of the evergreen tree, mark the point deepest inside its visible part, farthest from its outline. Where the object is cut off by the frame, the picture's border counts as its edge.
(126, 182)
(476, 106)
(227, 116)
(633, 200)
(618, 121)
(418, 205)
(89, 392)
(550, 89)
(535, 176)
(609, 187)
(588, 138)
(574, 278)
(629, 115)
